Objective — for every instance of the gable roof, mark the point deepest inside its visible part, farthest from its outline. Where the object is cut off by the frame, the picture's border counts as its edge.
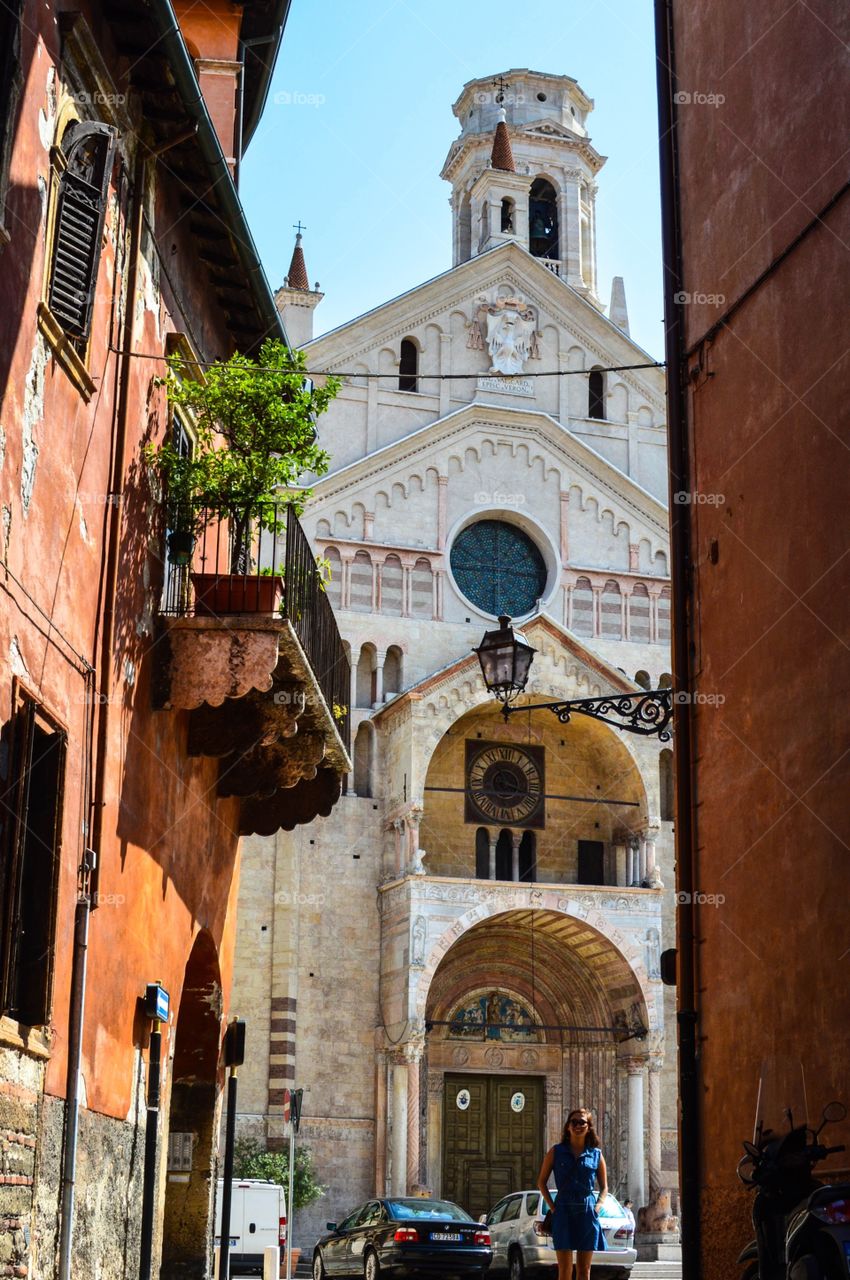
(539, 628)
(450, 288)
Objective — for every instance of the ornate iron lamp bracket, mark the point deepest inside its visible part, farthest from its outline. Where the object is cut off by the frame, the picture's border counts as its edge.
(647, 714)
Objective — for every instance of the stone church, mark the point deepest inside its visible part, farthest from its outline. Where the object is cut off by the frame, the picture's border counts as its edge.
(447, 965)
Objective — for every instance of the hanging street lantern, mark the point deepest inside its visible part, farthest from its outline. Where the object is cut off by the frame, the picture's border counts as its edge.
(506, 659)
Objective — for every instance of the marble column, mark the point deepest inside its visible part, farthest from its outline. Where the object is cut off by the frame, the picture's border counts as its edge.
(516, 838)
(434, 1133)
(621, 864)
(442, 494)
(630, 864)
(414, 818)
(636, 1068)
(445, 367)
(493, 843)
(413, 1054)
(554, 1092)
(380, 1124)
(654, 1118)
(379, 678)
(398, 1146)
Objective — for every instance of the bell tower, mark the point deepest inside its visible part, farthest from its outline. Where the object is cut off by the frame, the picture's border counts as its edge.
(524, 169)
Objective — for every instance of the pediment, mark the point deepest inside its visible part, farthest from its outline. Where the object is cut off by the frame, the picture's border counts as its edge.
(457, 289)
(463, 438)
(563, 667)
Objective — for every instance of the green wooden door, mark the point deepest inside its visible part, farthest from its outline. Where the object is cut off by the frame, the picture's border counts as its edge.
(490, 1146)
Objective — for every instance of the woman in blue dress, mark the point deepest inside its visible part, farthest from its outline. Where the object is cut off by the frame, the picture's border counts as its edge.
(577, 1163)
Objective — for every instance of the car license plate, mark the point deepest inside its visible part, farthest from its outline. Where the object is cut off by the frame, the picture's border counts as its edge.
(448, 1237)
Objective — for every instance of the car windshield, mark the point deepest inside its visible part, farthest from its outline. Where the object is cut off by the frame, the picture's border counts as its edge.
(427, 1209)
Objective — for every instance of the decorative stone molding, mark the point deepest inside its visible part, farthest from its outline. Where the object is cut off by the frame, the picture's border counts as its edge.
(213, 661)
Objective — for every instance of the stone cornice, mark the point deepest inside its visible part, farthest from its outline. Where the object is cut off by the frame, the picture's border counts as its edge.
(583, 460)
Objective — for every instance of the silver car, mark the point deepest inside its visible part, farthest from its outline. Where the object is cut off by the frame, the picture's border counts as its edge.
(519, 1244)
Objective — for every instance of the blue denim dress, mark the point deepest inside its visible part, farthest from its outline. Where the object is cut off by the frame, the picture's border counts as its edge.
(575, 1222)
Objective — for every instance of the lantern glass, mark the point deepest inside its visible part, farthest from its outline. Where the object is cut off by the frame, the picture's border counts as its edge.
(505, 661)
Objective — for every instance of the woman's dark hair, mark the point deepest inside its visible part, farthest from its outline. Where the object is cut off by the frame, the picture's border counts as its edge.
(590, 1137)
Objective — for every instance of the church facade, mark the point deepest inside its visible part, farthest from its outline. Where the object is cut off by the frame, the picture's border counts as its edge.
(469, 945)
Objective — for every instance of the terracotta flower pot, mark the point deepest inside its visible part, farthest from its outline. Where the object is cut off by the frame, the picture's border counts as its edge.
(218, 593)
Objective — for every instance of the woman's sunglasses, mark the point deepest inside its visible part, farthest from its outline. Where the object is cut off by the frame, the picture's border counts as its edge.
(578, 1124)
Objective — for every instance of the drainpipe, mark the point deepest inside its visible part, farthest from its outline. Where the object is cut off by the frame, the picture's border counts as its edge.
(682, 613)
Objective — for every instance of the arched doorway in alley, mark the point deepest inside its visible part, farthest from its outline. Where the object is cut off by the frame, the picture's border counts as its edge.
(530, 1012)
(192, 1116)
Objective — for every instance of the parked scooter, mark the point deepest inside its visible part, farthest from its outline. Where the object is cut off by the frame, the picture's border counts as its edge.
(802, 1227)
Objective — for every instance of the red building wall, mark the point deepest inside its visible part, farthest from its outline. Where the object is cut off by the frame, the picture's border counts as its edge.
(168, 853)
(762, 99)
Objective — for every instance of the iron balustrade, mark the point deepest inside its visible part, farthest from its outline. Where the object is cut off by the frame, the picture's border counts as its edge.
(260, 564)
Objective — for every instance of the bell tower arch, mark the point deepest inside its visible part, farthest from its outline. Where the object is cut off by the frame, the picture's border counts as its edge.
(524, 169)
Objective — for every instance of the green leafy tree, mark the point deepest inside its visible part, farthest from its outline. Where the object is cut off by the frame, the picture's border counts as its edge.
(256, 435)
(251, 1160)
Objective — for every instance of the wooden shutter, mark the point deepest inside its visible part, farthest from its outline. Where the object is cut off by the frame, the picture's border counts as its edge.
(31, 864)
(80, 210)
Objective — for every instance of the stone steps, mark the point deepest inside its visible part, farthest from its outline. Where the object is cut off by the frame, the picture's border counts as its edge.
(656, 1271)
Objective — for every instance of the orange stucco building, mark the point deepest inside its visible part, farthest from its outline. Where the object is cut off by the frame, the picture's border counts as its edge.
(122, 240)
(757, 224)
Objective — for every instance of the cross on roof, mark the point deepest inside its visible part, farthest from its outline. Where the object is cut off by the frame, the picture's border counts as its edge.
(298, 227)
(502, 84)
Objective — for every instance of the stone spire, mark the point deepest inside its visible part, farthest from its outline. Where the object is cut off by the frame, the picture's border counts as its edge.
(501, 156)
(297, 277)
(618, 312)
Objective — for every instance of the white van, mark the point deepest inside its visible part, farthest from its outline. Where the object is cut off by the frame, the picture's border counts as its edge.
(257, 1221)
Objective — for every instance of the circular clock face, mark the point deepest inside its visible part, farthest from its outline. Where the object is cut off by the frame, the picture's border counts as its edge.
(505, 783)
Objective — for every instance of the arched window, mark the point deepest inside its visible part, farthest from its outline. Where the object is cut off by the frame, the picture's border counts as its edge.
(665, 771)
(612, 611)
(392, 671)
(422, 590)
(543, 239)
(361, 582)
(596, 394)
(639, 614)
(583, 608)
(482, 854)
(508, 223)
(408, 366)
(664, 615)
(391, 585)
(333, 587)
(528, 857)
(365, 683)
(504, 855)
(363, 761)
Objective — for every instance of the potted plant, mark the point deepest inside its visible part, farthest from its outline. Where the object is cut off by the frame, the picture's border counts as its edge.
(254, 423)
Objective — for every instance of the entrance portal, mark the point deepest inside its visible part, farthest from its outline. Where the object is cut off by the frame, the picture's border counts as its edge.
(493, 1138)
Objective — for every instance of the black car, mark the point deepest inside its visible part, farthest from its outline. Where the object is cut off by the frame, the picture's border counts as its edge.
(400, 1237)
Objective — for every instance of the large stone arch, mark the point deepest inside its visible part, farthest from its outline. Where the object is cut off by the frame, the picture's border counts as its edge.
(566, 902)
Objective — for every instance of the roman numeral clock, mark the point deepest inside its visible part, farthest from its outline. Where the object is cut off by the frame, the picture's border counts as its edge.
(505, 783)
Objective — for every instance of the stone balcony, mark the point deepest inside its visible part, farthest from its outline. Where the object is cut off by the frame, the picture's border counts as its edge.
(257, 661)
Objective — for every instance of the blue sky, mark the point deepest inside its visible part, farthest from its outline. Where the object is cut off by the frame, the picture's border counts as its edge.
(359, 121)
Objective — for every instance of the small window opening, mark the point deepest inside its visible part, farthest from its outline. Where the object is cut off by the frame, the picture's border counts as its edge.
(596, 394)
(408, 367)
(543, 220)
(507, 222)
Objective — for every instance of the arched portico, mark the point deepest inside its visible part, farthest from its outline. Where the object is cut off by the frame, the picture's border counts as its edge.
(586, 1014)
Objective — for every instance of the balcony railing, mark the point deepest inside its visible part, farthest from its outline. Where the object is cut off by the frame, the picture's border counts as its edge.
(262, 565)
